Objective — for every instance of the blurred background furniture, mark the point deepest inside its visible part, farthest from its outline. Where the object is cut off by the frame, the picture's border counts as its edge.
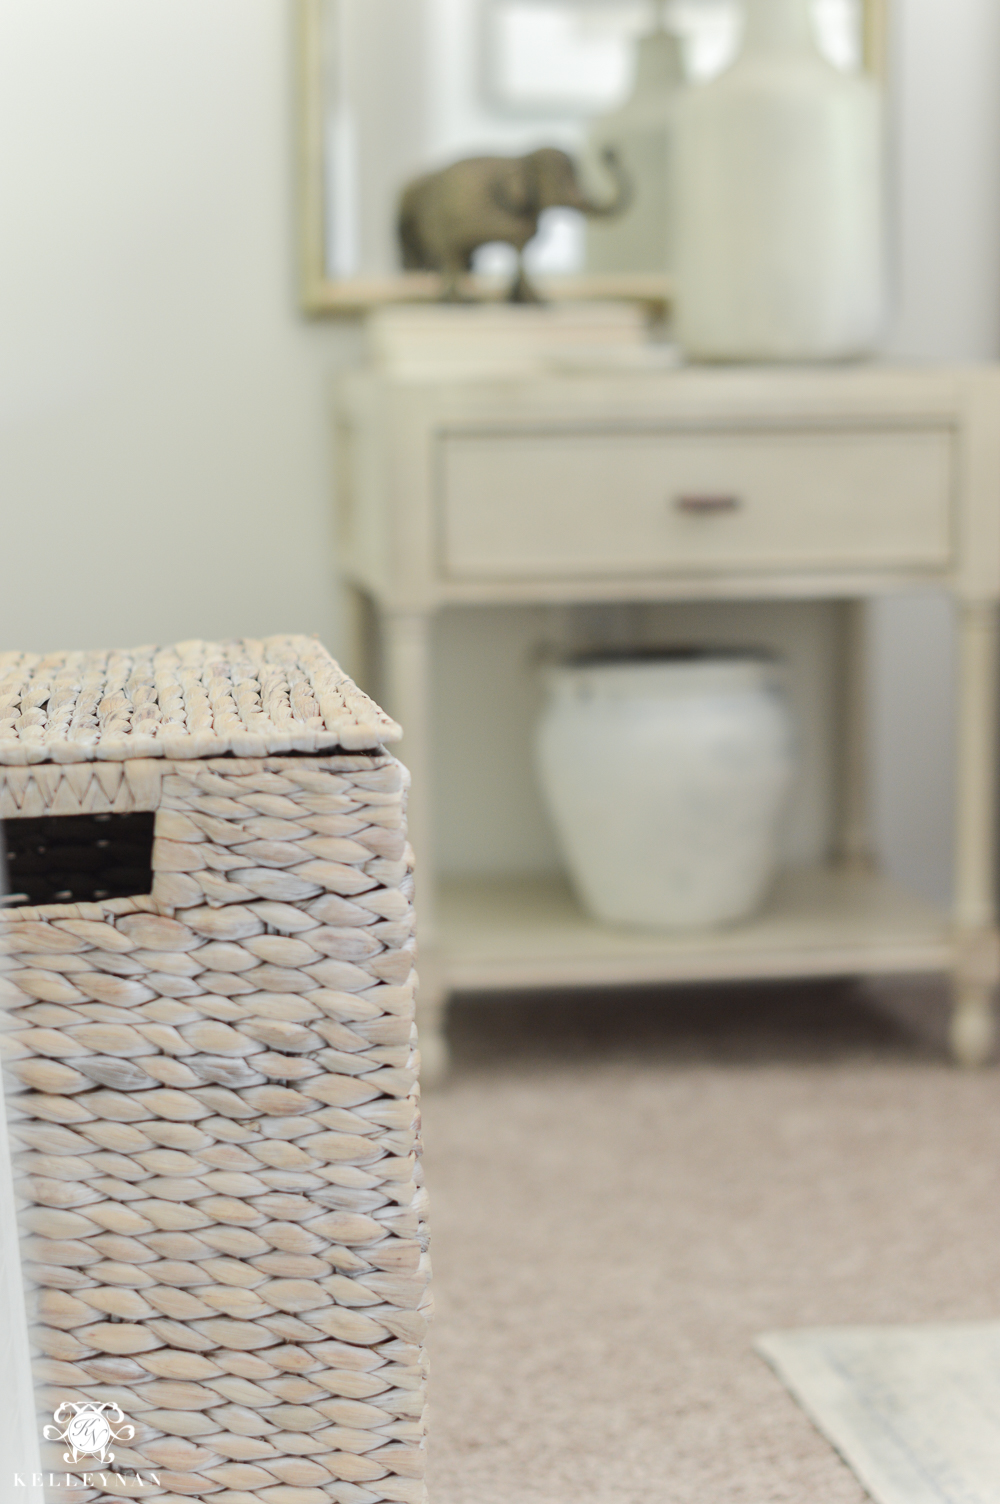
(788, 489)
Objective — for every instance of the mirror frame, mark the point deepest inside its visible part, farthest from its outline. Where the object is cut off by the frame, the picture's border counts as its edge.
(322, 295)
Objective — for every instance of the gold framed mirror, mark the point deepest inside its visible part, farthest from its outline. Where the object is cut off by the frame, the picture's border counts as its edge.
(387, 87)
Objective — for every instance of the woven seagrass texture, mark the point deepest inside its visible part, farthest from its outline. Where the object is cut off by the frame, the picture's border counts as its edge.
(214, 1109)
(195, 699)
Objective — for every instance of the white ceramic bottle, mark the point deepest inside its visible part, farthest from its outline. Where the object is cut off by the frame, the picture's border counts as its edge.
(641, 133)
(780, 201)
(665, 778)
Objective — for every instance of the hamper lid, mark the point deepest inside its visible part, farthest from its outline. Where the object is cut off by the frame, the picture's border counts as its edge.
(250, 696)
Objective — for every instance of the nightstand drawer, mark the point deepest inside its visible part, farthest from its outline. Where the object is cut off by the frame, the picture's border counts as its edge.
(578, 504)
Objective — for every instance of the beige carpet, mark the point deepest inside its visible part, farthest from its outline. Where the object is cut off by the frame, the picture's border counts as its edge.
(626, 1190)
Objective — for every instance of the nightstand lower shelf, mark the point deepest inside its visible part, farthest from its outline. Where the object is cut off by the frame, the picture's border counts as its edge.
(527, 932)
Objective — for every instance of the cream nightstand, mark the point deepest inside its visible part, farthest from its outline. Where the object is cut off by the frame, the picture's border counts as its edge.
(711, 485)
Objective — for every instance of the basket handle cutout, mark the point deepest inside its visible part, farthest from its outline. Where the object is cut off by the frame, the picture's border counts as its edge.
(77, 858)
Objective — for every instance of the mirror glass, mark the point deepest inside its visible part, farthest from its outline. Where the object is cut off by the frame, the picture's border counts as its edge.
(408, 85)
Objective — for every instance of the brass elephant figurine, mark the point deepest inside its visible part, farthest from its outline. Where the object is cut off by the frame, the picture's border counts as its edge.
(446, 215)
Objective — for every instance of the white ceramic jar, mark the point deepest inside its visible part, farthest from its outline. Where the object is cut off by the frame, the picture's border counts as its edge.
(779, 196)
(665, 777)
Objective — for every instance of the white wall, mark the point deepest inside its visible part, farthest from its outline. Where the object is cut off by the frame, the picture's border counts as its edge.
(163, 449)
(946, 88)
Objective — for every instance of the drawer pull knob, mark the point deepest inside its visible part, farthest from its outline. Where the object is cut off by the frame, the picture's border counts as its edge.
(704, 505)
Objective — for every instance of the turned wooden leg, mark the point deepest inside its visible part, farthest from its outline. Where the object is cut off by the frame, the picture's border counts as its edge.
(406, 646)
(972, 1031)
(977, 975)
(853, 843)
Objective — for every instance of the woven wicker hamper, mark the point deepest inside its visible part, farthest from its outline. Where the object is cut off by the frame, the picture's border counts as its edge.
(211, 1072)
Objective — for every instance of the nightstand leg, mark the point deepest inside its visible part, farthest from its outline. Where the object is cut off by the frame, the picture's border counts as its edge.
(853, 840)
(973, 1026)
(406, 697)
(406, 649)
(972, 1030)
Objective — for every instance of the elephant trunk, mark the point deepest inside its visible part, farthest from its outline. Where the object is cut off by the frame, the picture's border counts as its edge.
(622, 197)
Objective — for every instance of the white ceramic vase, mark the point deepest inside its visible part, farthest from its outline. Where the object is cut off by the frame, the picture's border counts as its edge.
(641, 132)
(665, 778)
(779, 166)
